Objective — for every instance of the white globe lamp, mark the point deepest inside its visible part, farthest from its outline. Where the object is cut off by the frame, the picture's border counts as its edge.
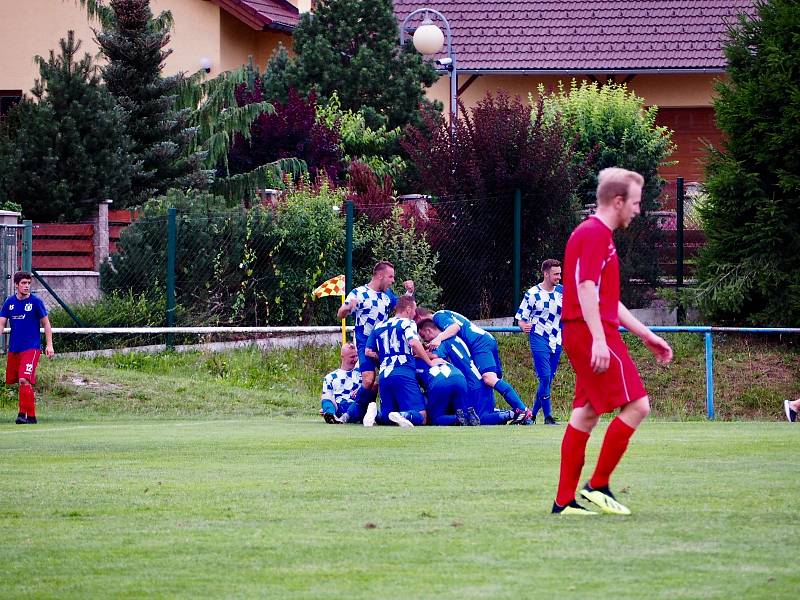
(428, 38)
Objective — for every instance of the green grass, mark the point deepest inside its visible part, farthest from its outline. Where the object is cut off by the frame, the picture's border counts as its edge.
(752, 378)
(263, 507)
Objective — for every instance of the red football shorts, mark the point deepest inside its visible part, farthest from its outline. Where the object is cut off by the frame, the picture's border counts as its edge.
(607, 391)
(22, 365)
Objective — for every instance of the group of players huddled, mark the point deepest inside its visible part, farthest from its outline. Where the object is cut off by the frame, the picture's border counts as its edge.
(460, 367)
(434, 368)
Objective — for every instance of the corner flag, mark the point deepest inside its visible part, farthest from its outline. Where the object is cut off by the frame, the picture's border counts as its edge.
(333, 287)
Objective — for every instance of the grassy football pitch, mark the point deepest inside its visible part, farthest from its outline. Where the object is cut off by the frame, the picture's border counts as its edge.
(290, 508)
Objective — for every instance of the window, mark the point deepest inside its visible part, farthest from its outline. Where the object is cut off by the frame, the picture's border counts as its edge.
(8, 98)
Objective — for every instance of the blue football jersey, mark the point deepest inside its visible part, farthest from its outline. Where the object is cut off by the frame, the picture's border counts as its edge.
(456, 352)
(429, 377)
(339, 385)
(543, 310)
(392, 341)
(472, 334)
(24, 318)
(369, 309)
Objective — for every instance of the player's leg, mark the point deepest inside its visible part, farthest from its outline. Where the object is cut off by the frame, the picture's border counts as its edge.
(790, 409)
(410, 402)
(12, 377)
(615, 442)
(329, 412)
(440, 406)
(621, 375)
(546, 402)
(26, 376)
(541, 363)
(388, 399)
(367, 393)
(483, 400)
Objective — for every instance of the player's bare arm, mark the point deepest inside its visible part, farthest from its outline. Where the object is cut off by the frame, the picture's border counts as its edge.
(450, 331)
(525, 326)
(656, 344)
(420, 352)
(590, 309)
(344, 310)
(48, 337)
(3, 321)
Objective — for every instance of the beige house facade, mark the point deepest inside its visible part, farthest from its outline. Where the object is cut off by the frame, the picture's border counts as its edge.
(217, 34)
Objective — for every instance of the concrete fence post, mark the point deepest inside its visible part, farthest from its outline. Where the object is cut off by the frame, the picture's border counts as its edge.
(100, 240)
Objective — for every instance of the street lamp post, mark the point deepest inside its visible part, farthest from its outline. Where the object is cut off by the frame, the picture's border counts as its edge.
(429, 39)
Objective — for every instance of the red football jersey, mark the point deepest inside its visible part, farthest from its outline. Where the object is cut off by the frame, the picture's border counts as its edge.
(591, 256)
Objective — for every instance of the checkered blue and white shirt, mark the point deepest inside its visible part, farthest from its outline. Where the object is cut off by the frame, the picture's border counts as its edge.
(543, 310)
(339, 385)
(369, 309)
(392, 341)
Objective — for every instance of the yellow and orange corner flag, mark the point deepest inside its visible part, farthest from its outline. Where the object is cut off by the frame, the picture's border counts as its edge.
(333, 287)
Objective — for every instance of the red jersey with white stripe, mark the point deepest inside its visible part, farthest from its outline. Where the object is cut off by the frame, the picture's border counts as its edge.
(591, 256)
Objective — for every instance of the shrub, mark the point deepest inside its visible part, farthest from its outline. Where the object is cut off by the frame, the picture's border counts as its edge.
(292, 131)
(612, 128)
(377, 148)
(495, 149)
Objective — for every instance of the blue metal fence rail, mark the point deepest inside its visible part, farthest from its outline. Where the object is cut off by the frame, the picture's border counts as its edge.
(707, 332)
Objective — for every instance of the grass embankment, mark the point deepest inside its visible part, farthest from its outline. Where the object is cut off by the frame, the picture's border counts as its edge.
(287, 508)
(752, 376)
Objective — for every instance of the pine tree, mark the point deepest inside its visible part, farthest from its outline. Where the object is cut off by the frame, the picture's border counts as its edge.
(351, 47)
(134, 42)
(750, 269)
(67, 150)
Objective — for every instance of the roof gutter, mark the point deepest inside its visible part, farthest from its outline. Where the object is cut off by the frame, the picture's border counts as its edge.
(578, 70)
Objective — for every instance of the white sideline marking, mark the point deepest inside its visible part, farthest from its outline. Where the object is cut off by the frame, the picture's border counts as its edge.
(25, 429)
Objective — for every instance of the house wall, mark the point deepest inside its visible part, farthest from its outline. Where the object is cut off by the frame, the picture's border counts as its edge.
(672, 90)
(32, 27)
(240, 41)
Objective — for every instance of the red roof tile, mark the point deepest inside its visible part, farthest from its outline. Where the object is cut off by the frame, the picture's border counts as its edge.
(589, 35)
(262, 14)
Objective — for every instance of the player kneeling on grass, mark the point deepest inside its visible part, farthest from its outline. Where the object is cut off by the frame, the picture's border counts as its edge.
(340, 386)
(605, 376)
(25, 314)
(445, 391)
(397, 344)
(480, 397)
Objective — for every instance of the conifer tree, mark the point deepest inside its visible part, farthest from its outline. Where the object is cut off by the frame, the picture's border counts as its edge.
(750, 269)
(135, 45)
(351, 47)
(66, 150)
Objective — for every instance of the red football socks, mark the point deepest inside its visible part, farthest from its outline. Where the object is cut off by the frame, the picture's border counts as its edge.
(27, 400)
(573, 454)
(614, 445)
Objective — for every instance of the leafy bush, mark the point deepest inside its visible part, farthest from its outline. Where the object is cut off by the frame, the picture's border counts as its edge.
(291, 131)
(254, 267)
(399, 241)
(115, 309)
(495, 149)
(749, 271)
(612, 128)
(377, 148)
